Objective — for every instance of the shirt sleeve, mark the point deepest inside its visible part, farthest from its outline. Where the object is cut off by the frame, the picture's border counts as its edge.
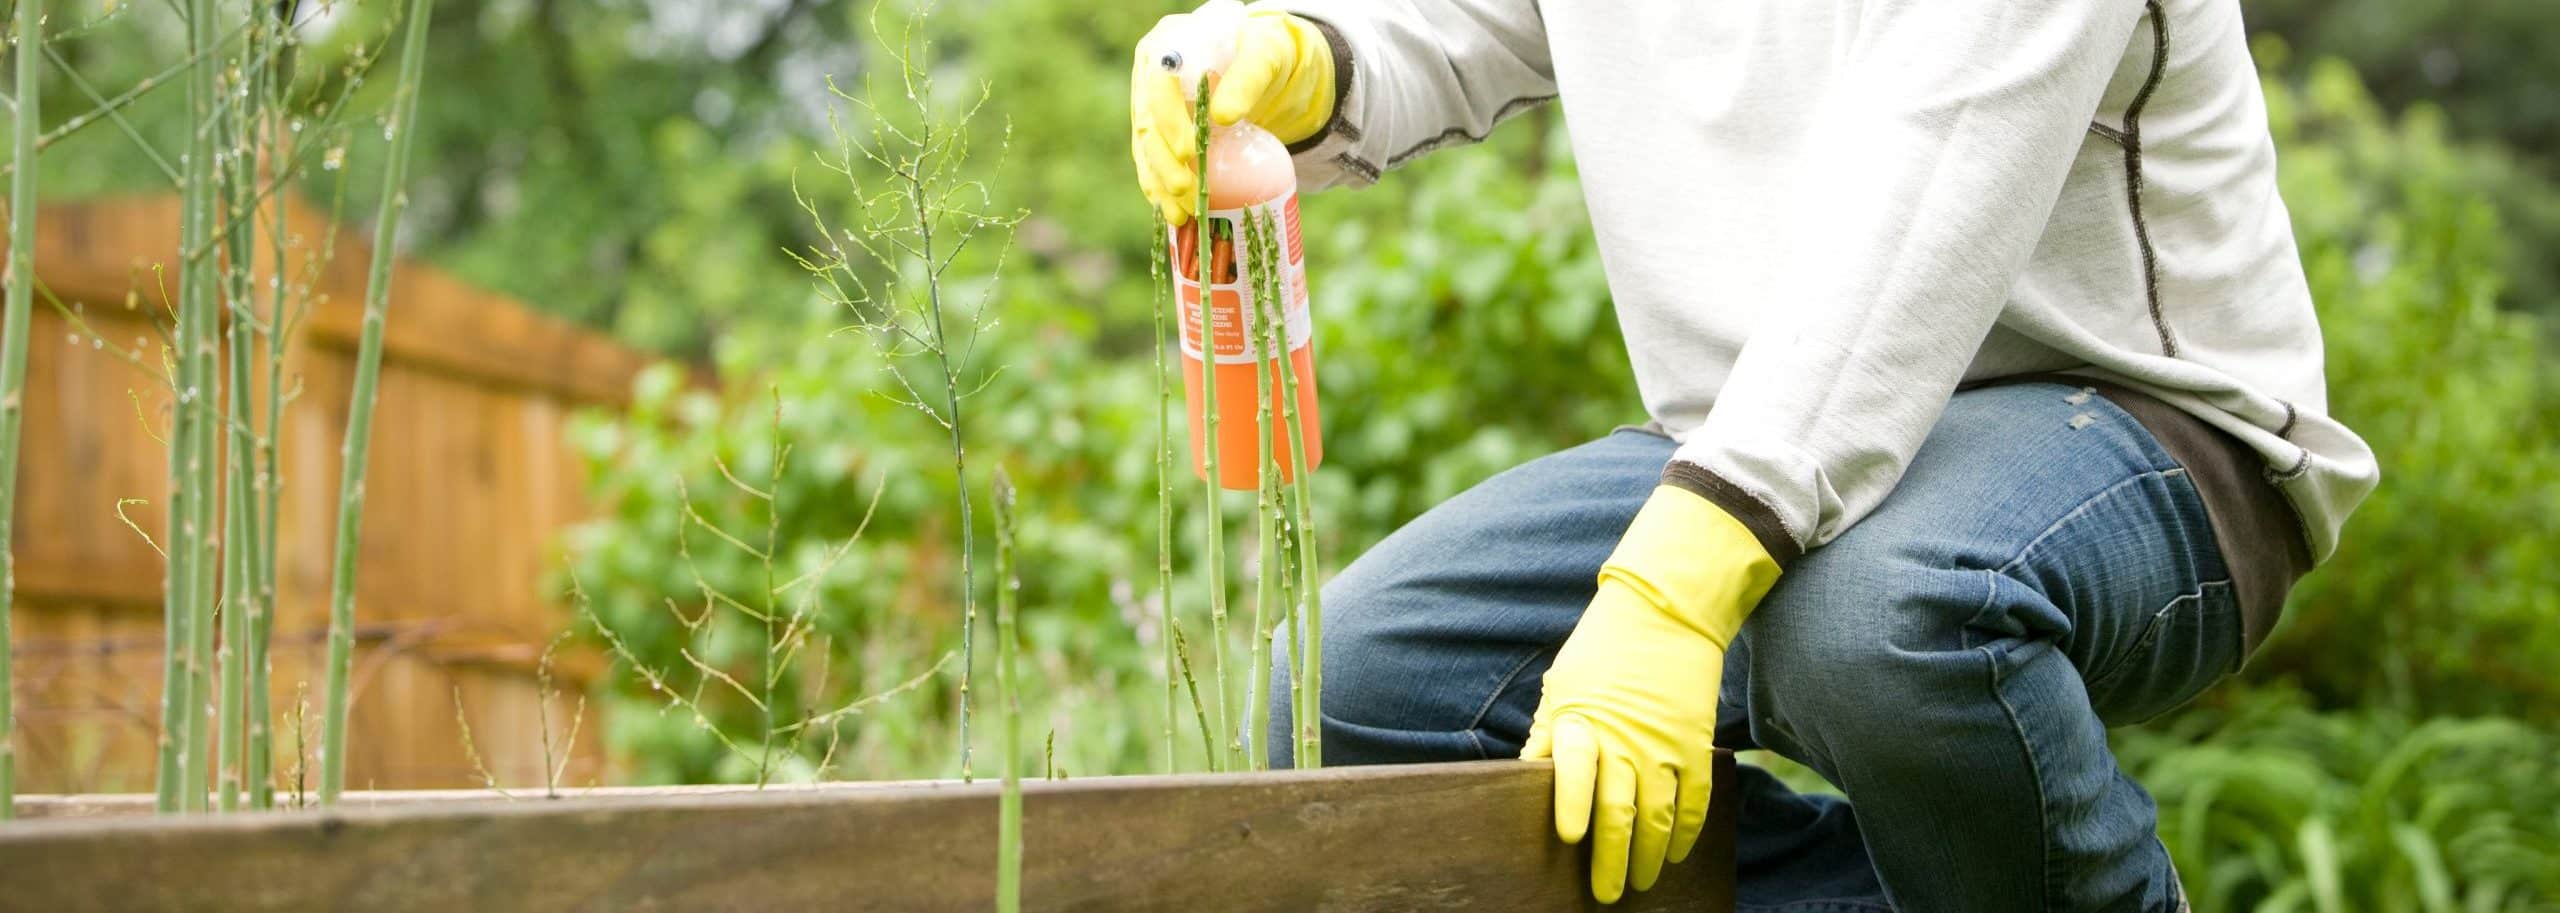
(1415, 75)
(1939, 157)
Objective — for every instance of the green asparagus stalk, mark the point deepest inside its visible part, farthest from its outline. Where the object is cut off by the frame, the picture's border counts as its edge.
(259, 757)
(13, 353)
(1164, 477)
(1009, 813)
(1208, 736)
(241, 517)
(190, 467)
(1259, 253)
(1308, 647)
(1270, 314)
(261, 749)
(1217, 557)
(342, 592)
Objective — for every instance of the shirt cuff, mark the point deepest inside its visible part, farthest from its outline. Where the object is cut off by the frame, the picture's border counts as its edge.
(1754, 513)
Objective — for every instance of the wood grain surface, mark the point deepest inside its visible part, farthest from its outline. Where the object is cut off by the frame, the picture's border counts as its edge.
(1473, 836)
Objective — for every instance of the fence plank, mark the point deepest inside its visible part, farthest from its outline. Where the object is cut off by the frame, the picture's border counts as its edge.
(475, 388)
(1473, 836)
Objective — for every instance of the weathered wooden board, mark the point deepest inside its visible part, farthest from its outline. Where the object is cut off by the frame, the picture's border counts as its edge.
(117, 805)
(1471, 836)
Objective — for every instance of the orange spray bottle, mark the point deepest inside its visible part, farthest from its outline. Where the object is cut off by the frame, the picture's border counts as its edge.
(1249, 175)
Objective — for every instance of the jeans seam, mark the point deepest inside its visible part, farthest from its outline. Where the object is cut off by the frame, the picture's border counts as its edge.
(2075, 512)
(2035, 770)
(2151, 631)
(1494, 696)
(1990, 594)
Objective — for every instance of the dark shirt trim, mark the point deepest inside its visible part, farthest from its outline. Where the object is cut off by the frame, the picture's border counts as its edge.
(2131, 139)
(2255, 527)
(1753, 512)
(1345, 69)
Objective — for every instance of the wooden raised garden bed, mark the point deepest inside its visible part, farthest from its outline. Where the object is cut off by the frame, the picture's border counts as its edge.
(1473, 836)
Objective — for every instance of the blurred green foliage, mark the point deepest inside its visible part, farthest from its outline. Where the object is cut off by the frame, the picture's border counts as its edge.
(2270, 805)
(1417, 412)
(2487, 62)
(2445, 594)
(2485, 70)
(631, 165)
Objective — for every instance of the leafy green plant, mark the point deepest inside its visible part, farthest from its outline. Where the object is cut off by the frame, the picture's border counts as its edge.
(743, 630)
(1079, 388)
(918, 206)
(2269, 805)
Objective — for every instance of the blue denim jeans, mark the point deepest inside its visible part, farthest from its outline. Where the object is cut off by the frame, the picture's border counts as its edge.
(1951, 663)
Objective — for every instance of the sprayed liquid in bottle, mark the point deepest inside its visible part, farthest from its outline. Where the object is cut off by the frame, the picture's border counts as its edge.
(1250, 178)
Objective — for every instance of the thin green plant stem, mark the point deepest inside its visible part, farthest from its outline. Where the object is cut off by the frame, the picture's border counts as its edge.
(952, 394)
(290, 301)
(968, 533)
(775, 459)
(109, 108)
(1291, 619)
(259, 756)
(1307, 704)
(187, 587)
(1009, 694)
(1164, 476)
(1270, 314)
(1279, 580)
(342, 587)
(14, 323)
(1199, 710)
(1251, 259)
(171, 773)
(1290, 622)
(1203, 273)
(202, 277)
(336, 105)
(241, 517)
(231, 652)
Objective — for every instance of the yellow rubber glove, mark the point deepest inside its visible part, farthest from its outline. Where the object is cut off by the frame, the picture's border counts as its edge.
(1629, 709)
(1281, 79)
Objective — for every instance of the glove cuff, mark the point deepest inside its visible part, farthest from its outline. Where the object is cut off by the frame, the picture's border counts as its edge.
(1694, 562)
(1317, 58)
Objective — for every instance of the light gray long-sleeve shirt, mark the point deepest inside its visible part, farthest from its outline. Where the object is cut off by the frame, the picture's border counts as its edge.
(1819, 218)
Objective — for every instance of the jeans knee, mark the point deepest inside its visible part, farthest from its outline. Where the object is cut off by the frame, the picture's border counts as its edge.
(1404, 684)
(1861, 655)
(1369, 667)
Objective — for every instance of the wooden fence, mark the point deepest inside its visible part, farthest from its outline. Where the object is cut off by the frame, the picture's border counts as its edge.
(1474, 836)
(473, 481)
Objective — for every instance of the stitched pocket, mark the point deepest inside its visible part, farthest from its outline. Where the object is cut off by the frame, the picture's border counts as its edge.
(2185, 647)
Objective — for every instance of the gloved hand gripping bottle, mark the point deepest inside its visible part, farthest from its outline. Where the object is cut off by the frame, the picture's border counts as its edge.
(1249, 173)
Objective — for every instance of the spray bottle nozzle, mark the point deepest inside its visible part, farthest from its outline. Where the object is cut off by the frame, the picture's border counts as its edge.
(1202, 44)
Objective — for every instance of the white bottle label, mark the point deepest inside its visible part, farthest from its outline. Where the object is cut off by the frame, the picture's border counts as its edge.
(1231, 281)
